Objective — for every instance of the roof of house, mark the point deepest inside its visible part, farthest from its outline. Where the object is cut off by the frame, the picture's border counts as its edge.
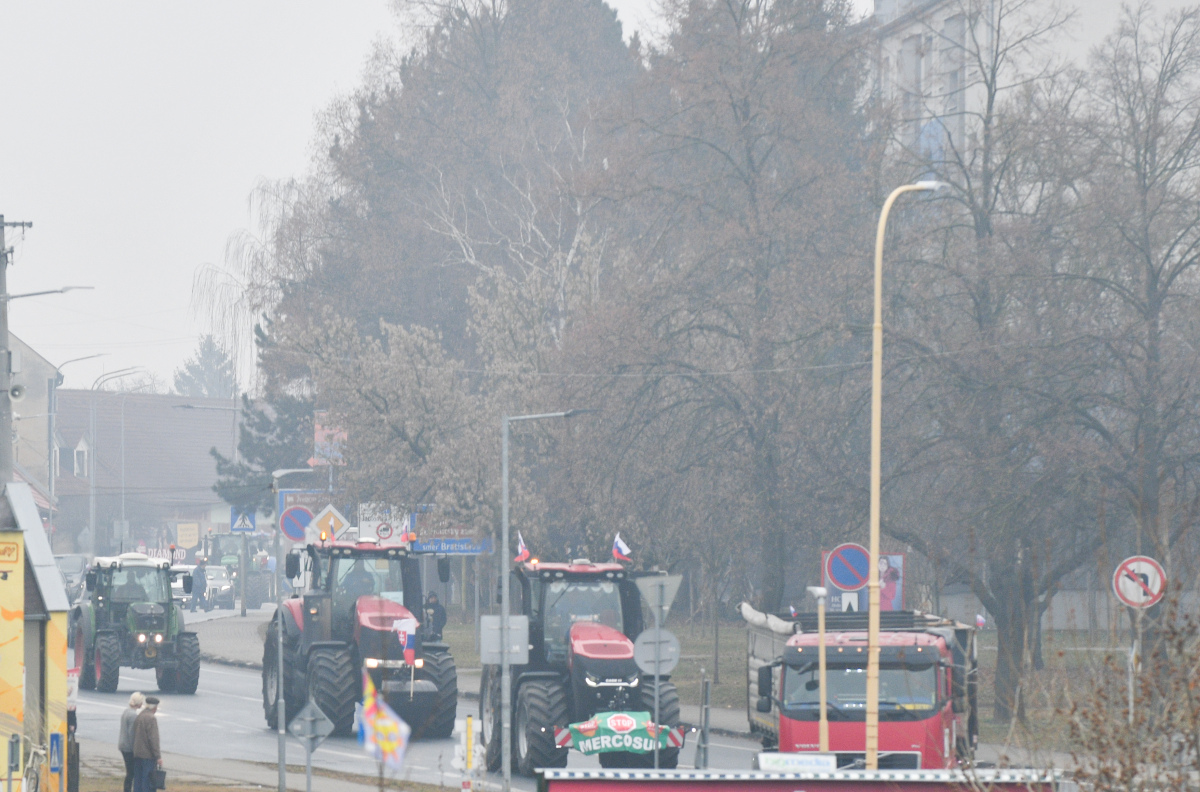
(164, 441)
(38, 554)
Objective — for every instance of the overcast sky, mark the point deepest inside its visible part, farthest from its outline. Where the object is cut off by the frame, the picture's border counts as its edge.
(132, 135)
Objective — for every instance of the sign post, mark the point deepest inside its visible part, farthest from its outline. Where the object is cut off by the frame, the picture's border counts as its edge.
(56, 757)
(1139, 582)
(659, 592)
(311, 726)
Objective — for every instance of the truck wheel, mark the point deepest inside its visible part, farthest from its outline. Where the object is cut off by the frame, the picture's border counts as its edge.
(333, 683)
(668, 715)
(87, 669)
(187, 671)
(489, 716)
(270, 683)
(107, 662)
(541, 705)
(439, 723)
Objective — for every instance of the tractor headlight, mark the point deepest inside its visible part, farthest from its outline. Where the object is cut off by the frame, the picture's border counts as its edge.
(371, 662)
(419, 662)
(141, 637)
(158, 638)
(591, 681)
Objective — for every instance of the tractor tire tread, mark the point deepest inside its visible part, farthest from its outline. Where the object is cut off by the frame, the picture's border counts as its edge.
(108, 658)
(334, 684)
(548, 707)
(187, 655)
(438, 724)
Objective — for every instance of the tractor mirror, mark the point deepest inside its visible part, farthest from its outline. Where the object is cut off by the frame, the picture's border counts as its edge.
(90, 579)
(764, 704)
(187, 584)
(444, 570)
(765, 681)
(291, 566)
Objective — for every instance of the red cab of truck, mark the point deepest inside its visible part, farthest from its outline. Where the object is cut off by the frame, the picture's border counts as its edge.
(926, 688)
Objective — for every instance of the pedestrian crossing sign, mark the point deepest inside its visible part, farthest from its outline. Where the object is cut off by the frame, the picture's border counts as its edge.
(241, 522)
(56, 752)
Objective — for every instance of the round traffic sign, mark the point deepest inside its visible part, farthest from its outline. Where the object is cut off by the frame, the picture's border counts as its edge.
(293, 521)
(384, 531)
(1139, 582)
(847, 566)
(668, 652)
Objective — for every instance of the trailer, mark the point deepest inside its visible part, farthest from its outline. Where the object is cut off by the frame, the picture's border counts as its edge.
(993, 780)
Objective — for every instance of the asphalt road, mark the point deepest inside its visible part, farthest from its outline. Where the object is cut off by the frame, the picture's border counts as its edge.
(224, 720)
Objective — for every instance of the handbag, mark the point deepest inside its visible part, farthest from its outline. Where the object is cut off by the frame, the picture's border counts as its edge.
(158, 778)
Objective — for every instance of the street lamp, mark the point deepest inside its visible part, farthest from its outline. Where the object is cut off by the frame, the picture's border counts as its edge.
(872, 752)
(51, 431)
(505, 667)
(102, 379)
(280, 702)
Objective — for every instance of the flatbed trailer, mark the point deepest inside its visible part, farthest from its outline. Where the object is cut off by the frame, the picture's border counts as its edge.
(994, 780)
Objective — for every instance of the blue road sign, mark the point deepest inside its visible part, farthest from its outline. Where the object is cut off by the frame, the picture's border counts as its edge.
(56, 752)
(454, 546)
(241, 522)
(293, 522)
(847, 566)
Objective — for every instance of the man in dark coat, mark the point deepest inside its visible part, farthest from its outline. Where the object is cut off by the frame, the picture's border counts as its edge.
(199, 584)
(146, 752)
(435, 614)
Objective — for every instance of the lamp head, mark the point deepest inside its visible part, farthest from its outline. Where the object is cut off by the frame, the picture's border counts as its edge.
(930, 184)
(820, 592)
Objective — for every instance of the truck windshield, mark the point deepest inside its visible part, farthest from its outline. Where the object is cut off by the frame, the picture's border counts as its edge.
(139, 584)
(569, 601)
(903, 690)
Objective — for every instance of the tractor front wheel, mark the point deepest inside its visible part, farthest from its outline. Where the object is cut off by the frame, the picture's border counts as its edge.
(334, 684)
(166, 679)
(489, 716)
(438, 723)
(668, 716)
(107, 662)
(187, 656)
(541, 705)
(87, 669)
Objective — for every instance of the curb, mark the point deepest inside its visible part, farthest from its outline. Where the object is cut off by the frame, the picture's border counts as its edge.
(225, 661)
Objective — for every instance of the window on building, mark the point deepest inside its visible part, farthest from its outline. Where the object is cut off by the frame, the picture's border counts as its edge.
(81, 459)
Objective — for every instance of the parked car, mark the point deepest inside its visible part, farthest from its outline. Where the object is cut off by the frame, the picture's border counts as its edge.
(73, 567)
(220, 588)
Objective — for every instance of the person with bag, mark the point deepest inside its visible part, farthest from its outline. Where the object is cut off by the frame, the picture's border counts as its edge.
(147, 757)
(125, 738)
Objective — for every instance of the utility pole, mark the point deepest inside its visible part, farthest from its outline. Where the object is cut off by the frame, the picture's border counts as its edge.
(6, 444)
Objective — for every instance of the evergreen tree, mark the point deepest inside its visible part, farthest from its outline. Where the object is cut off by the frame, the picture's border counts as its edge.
(274, 435)
(208, 374)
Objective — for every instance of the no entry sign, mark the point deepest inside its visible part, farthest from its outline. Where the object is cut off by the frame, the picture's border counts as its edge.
(1139, 582)
(848, 565)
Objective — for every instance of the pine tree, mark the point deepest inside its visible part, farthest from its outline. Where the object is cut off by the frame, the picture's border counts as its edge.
(208, 374)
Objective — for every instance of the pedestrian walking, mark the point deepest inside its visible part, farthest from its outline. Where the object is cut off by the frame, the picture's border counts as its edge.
(199, 584)
(125, 736)
(146, 752)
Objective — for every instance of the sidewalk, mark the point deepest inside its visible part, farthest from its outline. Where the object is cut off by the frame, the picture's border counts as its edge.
(234, 640)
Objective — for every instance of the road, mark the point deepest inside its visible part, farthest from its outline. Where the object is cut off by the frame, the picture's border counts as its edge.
(224, 720)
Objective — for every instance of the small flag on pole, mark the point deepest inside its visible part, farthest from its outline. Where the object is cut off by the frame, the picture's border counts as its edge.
(522, 550)
(621, 551)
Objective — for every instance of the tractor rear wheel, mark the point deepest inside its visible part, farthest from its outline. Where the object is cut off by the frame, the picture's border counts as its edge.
(489, 716)
(271, 687)
(165, 677)
(333, 683)
(668, 715)
(256, 591)
(107, 662)
(438, 723)
(541, 705)
(187, 669)
(87, 669)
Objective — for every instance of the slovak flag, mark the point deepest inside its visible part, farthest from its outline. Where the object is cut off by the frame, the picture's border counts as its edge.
(406, 630)
(621, 551)
(522, 550)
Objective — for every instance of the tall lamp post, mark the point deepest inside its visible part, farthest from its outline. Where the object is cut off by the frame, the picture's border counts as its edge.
(280, 703)
(872, 751)
(51, 443)
(505, 666)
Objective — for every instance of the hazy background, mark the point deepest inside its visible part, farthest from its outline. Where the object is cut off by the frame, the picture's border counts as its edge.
(133, 133)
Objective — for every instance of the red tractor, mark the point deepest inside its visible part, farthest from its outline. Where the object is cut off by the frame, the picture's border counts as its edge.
(583, 619)
(356, 614)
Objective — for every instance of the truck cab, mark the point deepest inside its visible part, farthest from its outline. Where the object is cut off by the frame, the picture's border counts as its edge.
(927, 668)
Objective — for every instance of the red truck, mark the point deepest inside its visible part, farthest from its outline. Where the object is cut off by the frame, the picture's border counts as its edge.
(927, 682)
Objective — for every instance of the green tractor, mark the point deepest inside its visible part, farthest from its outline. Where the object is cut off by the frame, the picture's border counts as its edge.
(127, 617)
(226, 550)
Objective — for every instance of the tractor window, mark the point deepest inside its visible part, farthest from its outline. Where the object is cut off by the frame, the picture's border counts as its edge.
(578, 600)
(139, 584)
(357, 577)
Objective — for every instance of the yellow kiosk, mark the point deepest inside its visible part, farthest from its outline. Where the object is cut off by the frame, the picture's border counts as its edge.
(33, 649)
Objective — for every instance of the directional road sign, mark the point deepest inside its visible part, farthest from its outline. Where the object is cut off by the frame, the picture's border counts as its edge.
(847, 566)
(293, 522)
(668, 652)
(310, 726)
(659, 592)
(241, 522)
(1139, 582)
(331, 522)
